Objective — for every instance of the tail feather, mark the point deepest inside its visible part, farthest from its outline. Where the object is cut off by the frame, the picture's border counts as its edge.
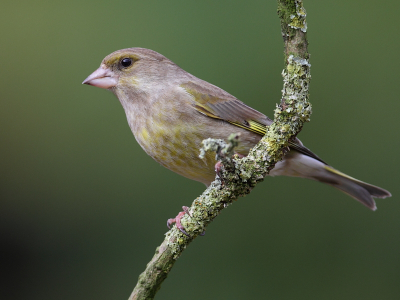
(298, 164)
(361, 191)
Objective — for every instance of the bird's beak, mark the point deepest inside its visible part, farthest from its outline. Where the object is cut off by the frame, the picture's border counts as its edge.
(103, 78)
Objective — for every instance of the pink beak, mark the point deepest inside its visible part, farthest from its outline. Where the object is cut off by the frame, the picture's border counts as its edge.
(102, 78)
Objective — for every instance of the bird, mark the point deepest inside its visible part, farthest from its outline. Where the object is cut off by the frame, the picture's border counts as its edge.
(170, 112)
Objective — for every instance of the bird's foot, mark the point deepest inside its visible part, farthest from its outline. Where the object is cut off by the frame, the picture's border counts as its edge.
(177, 220)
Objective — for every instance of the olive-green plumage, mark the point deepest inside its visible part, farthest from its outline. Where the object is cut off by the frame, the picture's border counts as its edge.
(170, 113)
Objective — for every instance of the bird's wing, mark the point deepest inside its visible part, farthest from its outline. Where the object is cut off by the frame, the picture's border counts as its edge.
(216, 103)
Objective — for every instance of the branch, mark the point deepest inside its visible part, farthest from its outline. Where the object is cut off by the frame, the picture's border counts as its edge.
(239, 176)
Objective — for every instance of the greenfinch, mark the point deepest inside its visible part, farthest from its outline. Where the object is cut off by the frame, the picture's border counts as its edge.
(170, 113)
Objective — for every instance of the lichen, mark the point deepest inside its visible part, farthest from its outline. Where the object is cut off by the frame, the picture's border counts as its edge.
(292, 14)
(296, 79)
(222, 149)
(298, 20)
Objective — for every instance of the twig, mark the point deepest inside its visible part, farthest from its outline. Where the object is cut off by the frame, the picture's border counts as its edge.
(239, 176)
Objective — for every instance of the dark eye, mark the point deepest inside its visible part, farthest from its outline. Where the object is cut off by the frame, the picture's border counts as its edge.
(126, 62)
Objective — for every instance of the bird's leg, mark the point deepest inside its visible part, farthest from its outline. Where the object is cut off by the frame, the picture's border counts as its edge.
(177, 220)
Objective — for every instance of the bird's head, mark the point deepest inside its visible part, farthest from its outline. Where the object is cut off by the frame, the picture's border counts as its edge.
(132, 68)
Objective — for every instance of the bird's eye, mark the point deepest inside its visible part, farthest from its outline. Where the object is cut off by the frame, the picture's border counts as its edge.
(126, 62)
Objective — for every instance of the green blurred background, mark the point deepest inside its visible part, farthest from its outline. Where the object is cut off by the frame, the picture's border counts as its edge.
(83, 207)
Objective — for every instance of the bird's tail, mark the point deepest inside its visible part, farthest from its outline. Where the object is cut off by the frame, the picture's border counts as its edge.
(361, 191)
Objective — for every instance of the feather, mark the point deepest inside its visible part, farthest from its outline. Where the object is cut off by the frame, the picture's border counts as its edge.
(218, 104)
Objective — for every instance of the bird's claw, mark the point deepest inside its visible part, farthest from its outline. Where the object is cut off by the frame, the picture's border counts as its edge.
(177, 220)
(218, 168)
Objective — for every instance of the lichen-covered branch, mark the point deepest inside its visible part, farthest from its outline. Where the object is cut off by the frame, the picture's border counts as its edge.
(294, 27)
(239, 176)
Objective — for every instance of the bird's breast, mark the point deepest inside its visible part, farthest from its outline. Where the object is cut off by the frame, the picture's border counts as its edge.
(174, 139)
